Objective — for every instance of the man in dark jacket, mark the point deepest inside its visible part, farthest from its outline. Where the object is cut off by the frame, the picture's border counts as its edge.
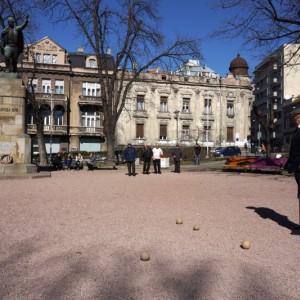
(293, 163)
(130, 156)
(147, 154)
(177, 156)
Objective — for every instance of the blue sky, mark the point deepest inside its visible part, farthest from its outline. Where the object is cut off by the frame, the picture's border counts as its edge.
(187, 17)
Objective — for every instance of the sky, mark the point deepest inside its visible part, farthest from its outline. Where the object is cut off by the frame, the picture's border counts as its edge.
(192, 18)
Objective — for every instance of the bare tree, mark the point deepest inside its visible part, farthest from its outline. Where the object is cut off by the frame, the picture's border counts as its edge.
(19, 9)
(263, 24)
(131, 29)
(197, 133)
(35, 105)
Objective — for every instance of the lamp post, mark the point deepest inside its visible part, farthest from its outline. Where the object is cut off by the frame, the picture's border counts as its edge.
(207, 131)
(176, 112)
(51, 122)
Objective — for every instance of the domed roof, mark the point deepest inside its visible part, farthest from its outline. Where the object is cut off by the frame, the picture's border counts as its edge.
(239, 66)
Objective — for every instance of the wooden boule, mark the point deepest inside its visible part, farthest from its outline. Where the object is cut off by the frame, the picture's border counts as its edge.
(145, 256)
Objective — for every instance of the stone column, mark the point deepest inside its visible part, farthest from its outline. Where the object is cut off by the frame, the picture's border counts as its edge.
(13, 139)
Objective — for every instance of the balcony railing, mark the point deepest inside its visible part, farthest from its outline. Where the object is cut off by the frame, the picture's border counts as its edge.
(89, 100)
(56, 129)
(91, 131)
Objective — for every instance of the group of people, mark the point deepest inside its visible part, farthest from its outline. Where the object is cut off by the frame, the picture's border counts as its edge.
(148, 155)
(75, 164)
(154, 155)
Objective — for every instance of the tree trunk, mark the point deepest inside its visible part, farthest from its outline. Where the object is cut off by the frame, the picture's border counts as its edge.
(41, 143)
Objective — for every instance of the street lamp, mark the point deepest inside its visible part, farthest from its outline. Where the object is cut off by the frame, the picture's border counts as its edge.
(176, 112)
(207, 131)
(51, 124)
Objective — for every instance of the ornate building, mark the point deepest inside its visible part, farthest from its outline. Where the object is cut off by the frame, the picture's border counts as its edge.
(190, 104)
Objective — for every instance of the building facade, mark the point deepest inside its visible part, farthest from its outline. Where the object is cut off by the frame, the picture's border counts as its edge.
(192, 104)
(277, 92)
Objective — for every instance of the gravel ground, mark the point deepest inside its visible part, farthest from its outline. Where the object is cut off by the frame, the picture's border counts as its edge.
(79, 235)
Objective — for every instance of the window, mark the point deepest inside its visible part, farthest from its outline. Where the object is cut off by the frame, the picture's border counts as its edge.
(92, 63)
(58, 116)
(38, 57)
(90, 119)
(140, 102)
(46, 113)
(30, 119)
(59, 86)
(206, 136)
(139, 131)
(185, 133)
(32, 85)
(162, 132)
(186, 105)
(230, 109)
(46, 86)
(54, 59)
(91, 89)
(229, 134)
(207, 106)
(163, 104)
(47, 58)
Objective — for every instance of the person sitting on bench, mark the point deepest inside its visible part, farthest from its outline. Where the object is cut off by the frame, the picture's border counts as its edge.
(92, 162)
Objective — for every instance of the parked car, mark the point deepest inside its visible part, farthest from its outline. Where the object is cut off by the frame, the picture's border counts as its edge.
(226, 151)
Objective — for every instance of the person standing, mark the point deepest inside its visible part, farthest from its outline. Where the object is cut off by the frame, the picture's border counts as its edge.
(130, 156)
(146, 158)
(157, 152)
(177, 156)
(197, 154)
(293, 162)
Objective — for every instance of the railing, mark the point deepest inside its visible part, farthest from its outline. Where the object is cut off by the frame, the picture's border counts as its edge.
(56, 129)
(89, 99)
(91, 130)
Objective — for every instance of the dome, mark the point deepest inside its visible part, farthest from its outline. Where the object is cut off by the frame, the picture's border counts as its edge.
(239, 67)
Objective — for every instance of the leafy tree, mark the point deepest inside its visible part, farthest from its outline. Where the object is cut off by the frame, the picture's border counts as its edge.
(131, 29)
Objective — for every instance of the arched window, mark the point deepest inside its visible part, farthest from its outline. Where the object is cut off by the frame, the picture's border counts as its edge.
(58, 115)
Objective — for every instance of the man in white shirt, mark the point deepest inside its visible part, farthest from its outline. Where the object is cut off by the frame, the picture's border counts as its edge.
(157, 152)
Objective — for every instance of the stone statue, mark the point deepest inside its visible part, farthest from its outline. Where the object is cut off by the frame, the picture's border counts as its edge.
(12, 44)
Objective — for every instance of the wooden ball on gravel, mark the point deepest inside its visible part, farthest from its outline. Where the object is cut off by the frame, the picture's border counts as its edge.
(245, 245)
(145, 255)
(179, 221)
(196, 227)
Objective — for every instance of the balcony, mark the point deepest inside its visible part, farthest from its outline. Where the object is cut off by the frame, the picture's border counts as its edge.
(56, 129)
(186, 116)
(90, 131)
(140, 114)
(56, 98)
(89, 100)
(164, 115)
(207, 117)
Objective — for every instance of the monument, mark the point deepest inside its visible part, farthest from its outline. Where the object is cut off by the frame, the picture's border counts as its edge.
(15, 144)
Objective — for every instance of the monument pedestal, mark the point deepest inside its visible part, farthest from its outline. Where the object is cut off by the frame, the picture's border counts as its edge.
(13, 140)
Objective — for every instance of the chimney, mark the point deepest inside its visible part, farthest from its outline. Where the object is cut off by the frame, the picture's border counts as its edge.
(108, 51)
(80, 50)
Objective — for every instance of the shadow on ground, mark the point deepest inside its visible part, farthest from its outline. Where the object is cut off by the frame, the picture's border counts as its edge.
(30, 272)
(268, 213)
